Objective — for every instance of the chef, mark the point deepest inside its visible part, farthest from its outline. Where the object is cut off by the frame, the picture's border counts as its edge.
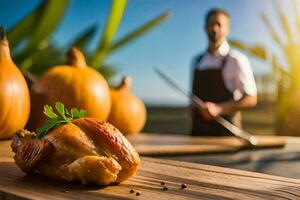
(222, 78)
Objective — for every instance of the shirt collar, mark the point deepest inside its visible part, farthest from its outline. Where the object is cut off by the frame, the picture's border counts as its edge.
(223, 49)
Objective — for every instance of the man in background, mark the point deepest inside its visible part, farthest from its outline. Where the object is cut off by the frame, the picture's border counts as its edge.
(222, 78)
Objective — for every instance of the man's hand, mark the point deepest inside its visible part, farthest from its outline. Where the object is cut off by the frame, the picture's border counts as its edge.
(210, 110)
(192, 111)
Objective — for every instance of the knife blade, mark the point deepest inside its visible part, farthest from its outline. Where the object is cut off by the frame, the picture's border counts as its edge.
(236, 131)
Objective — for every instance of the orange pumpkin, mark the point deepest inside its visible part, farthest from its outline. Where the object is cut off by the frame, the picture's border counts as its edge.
(14, 93)
(128, 112)
(75, 85)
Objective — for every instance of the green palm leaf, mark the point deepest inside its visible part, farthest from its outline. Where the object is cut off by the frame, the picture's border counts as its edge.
(271, 29)
(279, 69)
(23, 28)
(84, 38)
(255, 50)
(140, 31)
(47, 22)
(107, 71)
(238, 44)
(284, 23)
(45, 25)
(37, 27)
(114, 19)
(40, 61)
(297, 16)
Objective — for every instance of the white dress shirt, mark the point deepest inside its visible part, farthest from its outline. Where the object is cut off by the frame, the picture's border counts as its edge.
(237, 72)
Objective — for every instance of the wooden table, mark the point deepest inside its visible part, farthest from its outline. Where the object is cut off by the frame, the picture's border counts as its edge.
(203, 182)
(283, 161)
(270, 157)
(166, 145)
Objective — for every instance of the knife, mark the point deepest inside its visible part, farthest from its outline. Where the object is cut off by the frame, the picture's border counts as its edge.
(236, 131)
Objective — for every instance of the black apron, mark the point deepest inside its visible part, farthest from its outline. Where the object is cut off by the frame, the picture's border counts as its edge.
(209, 85)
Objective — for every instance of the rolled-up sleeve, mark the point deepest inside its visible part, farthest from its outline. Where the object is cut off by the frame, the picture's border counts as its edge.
(246, 78)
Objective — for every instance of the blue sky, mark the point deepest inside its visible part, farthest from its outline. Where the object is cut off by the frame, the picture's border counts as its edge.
(171, 46)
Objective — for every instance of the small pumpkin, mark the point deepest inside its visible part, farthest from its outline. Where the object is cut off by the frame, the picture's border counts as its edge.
(75, 85)
(14, 93)
(128, 112)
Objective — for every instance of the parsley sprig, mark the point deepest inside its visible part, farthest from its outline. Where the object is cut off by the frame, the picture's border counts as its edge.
(61, 117)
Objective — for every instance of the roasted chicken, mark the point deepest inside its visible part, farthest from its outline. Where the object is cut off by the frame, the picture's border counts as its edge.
(86, 150)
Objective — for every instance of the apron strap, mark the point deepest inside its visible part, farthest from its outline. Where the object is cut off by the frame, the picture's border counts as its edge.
(224, 61)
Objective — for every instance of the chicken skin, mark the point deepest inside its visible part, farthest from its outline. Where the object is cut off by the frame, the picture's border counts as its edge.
(87, 150)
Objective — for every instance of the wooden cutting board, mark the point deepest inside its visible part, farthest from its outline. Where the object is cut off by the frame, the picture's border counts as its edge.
(155, 145)
(203, 182)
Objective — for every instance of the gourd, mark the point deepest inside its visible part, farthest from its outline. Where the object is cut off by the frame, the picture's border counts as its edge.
(128, 112)
(75, 85)
(14, 93)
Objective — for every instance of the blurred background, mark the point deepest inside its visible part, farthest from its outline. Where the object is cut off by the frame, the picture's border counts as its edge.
(132, 37)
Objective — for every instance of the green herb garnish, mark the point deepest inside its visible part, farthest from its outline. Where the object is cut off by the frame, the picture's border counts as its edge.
(61, 117)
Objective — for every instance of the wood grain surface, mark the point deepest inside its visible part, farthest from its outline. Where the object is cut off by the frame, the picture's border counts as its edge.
(203, 182)
(155, 145)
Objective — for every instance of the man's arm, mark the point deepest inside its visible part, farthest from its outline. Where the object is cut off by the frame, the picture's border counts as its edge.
(212, 110)
(246, 86)
(231, 107)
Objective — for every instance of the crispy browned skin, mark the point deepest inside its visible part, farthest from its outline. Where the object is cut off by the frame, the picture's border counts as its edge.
(87, 150)
(28, 152)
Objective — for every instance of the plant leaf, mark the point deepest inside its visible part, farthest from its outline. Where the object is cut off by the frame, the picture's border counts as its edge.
(47, 22)
(141, 30)
(55, 120)
(284, 22)
(75, 113)
(83, 113)
(272, 31)
(67, 112)
(61, 110)
(47, 126)
(49, 112)
(278, 69)
(40, 60)
(107, 71)
(84, 38)
(297, 16)
(255, 50)
(24, 27)
(111, 27)
(238, 44)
